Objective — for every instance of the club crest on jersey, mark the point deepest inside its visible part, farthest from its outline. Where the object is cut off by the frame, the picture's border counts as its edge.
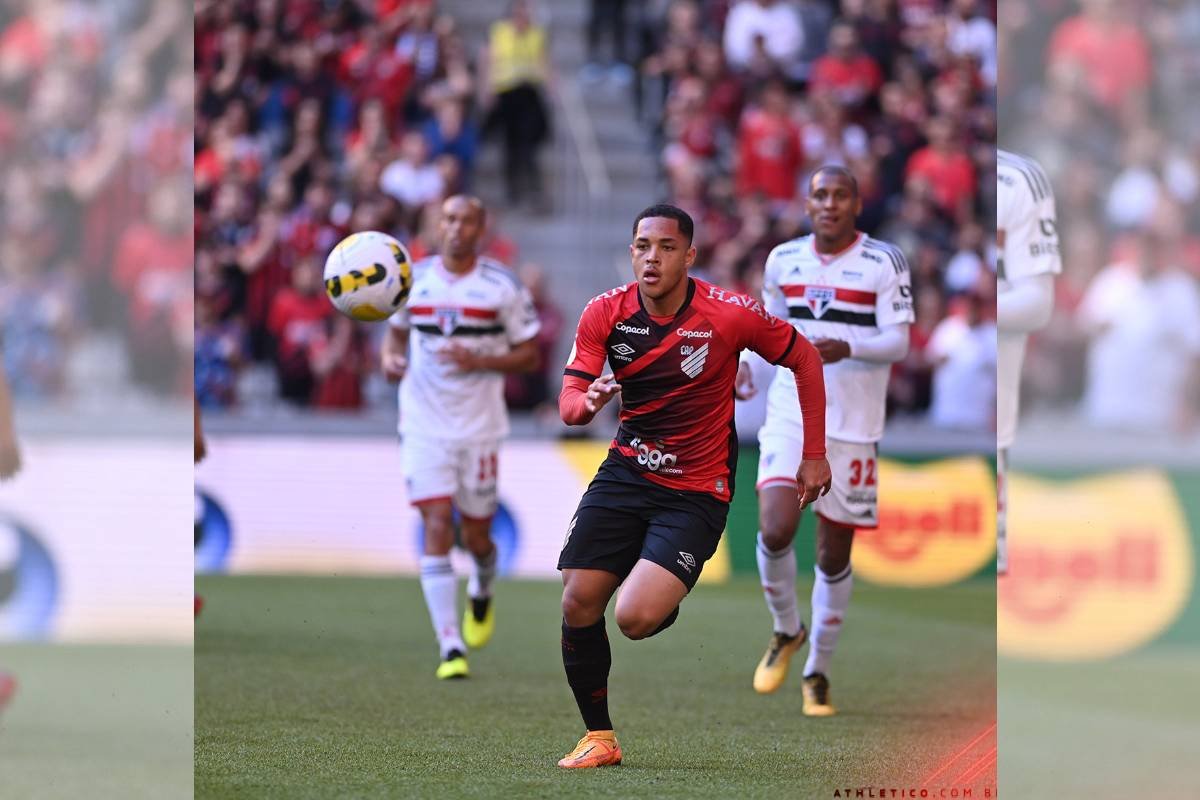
(693, 364)
(818, 299)
(447, 320)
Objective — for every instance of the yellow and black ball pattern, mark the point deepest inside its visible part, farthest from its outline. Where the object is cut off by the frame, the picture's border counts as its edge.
(368, 276)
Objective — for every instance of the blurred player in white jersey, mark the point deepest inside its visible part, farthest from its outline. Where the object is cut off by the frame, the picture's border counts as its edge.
(1027, 235)
(468, 322)
(850, 295)
(10, 463)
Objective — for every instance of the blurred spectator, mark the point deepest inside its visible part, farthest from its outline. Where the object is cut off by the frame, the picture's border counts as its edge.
(297, 318)
(846, 71)
(1143, 317)
(607, 19)
(219, 353)
(762, 33)
(412, 180)
(911, 385)
(668, 42)
(449, 132)
(900, 93)
(1099, 91)
(970, 33)
(518, 71)
(770, 154)
(337, 361)
(1106, 54)
(154, 270)
(962, 349)
(95, 115)
(946, 168)
(533, 390)
(39, 314)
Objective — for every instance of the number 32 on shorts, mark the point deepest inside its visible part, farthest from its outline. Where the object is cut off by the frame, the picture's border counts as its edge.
(862, 472)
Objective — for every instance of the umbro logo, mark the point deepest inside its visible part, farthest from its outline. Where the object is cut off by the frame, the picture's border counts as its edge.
(687, 561)
(623, 349)
(693, 365)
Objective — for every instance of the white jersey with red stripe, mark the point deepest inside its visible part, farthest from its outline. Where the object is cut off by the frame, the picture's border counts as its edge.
(486, 310)
(850, 296)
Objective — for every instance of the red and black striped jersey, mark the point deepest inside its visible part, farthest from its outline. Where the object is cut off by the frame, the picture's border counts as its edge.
(677, 376)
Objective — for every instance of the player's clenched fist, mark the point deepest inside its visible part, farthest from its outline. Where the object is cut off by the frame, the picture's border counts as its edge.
(813, 480)
(743, 384)
(601, 391)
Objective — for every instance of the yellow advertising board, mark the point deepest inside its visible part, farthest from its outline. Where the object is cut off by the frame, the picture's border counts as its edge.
(1097, 566)
(937, 524)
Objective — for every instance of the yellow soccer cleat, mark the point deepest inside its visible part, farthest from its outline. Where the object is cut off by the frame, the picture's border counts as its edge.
(479, 622)
(453, 666)
(773, 667)
(596, 749)
(816, 696)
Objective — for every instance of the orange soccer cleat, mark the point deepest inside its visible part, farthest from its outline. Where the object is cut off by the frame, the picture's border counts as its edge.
(596, 749)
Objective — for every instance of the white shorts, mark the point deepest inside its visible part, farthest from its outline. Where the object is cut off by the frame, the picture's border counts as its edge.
(462, 472)
(854, 498)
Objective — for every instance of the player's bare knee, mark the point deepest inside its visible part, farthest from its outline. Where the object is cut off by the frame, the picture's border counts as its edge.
(635, 624)
(578, 611)
(438, 539)
(777, 533)
(833, 560)
(477, 540)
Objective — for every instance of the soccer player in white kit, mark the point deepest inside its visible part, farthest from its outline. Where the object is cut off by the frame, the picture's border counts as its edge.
(1027, 236)
(468, 322)
(851, 296)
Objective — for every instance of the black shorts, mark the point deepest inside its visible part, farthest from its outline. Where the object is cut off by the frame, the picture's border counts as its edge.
(623, 517)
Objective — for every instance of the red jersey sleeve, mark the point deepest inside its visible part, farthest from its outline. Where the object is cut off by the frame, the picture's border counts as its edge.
(781, 344)
(587, 352)
(583, 365)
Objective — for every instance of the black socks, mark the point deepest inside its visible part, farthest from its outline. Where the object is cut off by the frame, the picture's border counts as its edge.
(587, 659)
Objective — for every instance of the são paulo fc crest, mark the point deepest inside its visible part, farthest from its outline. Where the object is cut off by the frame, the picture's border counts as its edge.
(818, 299)
(447, 320)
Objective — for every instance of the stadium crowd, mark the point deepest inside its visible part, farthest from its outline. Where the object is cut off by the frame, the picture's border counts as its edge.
(1101, 93)
(313, 120)
(756, 94)
(95, 215)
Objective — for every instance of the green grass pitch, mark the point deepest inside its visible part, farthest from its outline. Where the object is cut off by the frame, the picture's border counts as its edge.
(97, 722)
(323, 687)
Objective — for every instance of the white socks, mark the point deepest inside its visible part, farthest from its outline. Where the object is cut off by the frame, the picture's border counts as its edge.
(830, 599)
(777, 569)
(441, 597)
(483, 572)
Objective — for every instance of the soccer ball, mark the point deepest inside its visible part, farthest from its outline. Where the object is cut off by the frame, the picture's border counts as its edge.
(368, 276)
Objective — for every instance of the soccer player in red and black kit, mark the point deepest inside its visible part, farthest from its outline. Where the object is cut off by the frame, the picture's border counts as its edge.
(656, 509)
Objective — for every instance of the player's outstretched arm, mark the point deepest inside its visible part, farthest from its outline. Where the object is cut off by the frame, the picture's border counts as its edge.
(580, 401)
(814, 478)
(10, 454)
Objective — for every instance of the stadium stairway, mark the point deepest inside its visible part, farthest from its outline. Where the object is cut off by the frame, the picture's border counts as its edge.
(598, 168)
